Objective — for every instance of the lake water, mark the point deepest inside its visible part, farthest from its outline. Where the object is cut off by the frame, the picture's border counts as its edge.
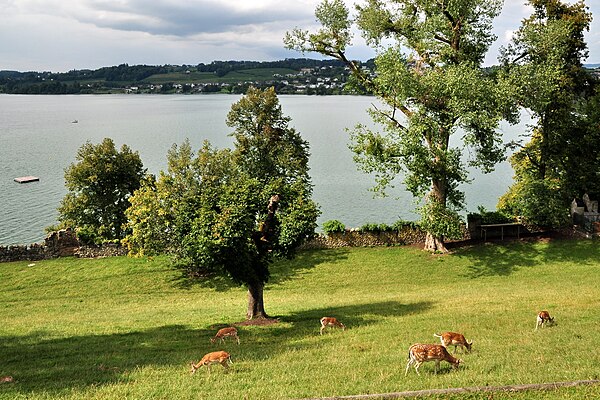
(38, 137)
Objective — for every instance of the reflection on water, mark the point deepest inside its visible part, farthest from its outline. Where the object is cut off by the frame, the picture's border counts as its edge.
(37, 137)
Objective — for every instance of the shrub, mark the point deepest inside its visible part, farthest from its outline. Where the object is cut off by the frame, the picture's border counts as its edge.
(490, 217)
(333, 226)
(371, 227)
(401, 224)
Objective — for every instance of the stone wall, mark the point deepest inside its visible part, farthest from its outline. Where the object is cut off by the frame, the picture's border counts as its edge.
(352, 238)
(58, 244)
(32, 252)
(106, 250)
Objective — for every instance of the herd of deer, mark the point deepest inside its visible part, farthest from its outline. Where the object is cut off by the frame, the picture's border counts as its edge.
(417, 353)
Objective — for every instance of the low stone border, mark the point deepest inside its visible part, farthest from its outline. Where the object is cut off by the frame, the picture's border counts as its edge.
(351, 238)
(476, 389)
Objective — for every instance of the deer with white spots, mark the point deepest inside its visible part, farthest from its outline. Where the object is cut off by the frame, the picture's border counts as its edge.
(421, 353)
(223, 333)
(216, 357)
(543, 317)
(331, 322)
(454, 339)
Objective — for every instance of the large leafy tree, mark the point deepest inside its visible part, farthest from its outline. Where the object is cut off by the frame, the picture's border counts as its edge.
(429, 78)
(232, 212)
(99, 184)
(544, 64)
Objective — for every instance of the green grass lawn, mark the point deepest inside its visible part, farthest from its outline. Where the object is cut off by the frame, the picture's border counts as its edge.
(120, 328)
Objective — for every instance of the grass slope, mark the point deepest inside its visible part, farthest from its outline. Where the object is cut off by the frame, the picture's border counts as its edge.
(121, 328)
(246, 75)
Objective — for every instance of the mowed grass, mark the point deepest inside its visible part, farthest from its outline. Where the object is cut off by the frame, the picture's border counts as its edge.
(121, 328)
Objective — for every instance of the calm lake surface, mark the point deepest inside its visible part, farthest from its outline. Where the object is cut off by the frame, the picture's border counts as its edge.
(38, 137)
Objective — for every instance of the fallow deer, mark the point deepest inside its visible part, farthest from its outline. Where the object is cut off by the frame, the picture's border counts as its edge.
(216, 357)
(420, 353)
(332, 322)
(223, 333)
(543, 317)
(454, 339)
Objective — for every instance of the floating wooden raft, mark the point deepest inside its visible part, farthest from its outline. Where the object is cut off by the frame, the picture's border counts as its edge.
(26, 179)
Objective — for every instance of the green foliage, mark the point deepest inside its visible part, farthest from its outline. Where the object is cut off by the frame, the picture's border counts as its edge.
(441, 221)
(490, 217)
(428, 75)
(538, 202)
(211, 210)
(99, 186)
(401, 224)
(561, 159)
(371, 227)
(333, 226)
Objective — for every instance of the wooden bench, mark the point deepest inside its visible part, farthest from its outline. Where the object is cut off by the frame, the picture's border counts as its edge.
(485, 228)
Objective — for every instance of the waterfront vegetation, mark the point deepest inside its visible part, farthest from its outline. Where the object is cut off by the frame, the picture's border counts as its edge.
(289, 76)
(119, 327)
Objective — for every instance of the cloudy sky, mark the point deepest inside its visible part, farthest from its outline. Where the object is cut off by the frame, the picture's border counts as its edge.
(60, 35)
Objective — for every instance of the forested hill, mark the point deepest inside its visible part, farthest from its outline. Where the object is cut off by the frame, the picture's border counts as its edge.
(298, 75)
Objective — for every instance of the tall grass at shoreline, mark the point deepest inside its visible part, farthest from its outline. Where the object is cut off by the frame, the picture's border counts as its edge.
(120, 328)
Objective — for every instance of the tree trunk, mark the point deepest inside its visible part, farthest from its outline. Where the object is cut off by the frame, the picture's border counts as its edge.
(435, 244)
(256, 305)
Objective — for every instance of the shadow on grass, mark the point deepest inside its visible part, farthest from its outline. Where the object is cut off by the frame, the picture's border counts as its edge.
(499, 259)
(356, 315)
(50, 365)
(40, 364)
(281, 270)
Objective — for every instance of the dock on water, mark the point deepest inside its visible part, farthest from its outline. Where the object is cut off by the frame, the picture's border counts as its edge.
(27, 179)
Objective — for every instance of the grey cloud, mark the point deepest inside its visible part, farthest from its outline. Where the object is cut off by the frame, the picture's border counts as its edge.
(185, 19)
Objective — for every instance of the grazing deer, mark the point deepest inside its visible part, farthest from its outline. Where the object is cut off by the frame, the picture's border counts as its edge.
(331, 321)
(6, 379)
(223, 333)
(454, 339)
(216, 357)
(542, 318)
(420, 353)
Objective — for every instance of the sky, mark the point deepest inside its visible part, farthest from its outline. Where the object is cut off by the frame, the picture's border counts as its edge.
(62, 35)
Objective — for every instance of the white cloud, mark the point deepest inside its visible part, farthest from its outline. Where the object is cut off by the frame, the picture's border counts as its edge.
(59, 35)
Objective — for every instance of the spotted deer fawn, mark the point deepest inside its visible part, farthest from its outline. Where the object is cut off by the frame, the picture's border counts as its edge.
(223, 333)
(216, 357)
(454, 339)
(332, 322)
(420, 353)
(543, 317)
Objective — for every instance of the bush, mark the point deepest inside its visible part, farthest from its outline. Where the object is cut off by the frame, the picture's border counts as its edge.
(376, 228)
(401, 224)
(490, 217)
(333, 226)
(538, 202)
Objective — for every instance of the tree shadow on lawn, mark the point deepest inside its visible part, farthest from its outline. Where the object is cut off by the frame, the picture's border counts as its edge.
(500, 259)
(281, 270)
(39, 364)
(354, 315)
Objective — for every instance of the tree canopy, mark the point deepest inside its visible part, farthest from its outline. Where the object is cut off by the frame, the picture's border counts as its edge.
(231, 211)
(428, 75)
(544, 65)
(99, 186)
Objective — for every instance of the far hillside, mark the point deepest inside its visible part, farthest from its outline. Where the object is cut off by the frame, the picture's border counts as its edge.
(303, 76)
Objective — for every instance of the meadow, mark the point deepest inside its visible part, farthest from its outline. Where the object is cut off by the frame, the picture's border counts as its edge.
(123, 328)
